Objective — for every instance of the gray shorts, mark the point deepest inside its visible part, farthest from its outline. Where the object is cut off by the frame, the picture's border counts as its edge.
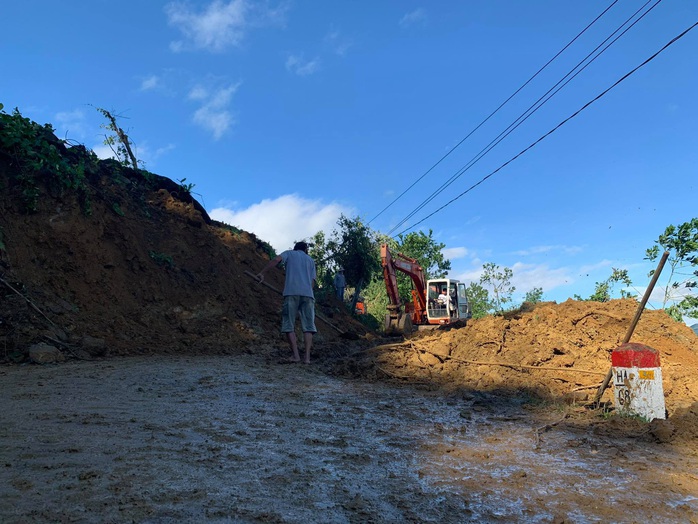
(294, 305)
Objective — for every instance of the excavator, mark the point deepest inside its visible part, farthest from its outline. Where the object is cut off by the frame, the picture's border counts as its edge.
(434, 303)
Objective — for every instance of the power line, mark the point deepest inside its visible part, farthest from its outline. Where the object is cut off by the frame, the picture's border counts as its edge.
(531, 109)
(603, 93)
(494, 112)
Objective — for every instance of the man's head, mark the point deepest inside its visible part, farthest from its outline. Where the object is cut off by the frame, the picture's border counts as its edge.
(301, 246)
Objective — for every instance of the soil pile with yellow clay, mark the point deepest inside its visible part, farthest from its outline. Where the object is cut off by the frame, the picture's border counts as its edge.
(551, 351)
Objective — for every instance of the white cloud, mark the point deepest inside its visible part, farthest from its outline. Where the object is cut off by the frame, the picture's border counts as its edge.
(151, 82)
(103, 152)
(217, 121)
(590, 268)
(214, 115)
(528, 276)
(657, 297)
(413, 17)
(537, 250)
(468, 275)
(525, 276)
(198, 93)
(220, 25)
(142, 151)
(283, 220)
(339, 44)
(453, 253)
(298, 65)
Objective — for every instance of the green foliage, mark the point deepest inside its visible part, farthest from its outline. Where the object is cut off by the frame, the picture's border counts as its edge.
(355, 249)
(161, 259)
(427, 251)
(2, 237)
(185, 188)
(376, 300)
(499, 280)
(534, 296)
(687, 307)
(479, 300)
(352, 246)
(682, 244)
(266, 247)
(117, 209)
(325, 265)
(40, 156)
(603, 290)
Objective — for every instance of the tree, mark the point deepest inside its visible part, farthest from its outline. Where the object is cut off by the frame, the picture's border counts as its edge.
(356, 251)
(500, 282)
(534, 296)
(603, 290)
(353, 247)
(119, 142)
(479, 299)
(324, 261)
(682, 244)
(427, 251)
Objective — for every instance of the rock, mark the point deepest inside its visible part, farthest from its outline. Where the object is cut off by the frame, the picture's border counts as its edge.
(662, 430)
(441, 350)
(575, 397)
(97, 347)
(43, 353)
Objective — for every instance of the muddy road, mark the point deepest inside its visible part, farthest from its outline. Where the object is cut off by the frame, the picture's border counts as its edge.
(246, 439)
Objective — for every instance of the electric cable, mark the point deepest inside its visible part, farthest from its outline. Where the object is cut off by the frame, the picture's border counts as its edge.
(558, 126)
(532, 109)
(494, 112)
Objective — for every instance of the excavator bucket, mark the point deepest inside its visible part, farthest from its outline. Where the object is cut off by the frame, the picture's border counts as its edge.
(398, 326)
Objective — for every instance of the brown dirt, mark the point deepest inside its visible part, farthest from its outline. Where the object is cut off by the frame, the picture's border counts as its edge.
(148, 275)
(146, 272)
(550, 351)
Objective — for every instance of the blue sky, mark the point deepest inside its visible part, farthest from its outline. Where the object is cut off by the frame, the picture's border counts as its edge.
(285, 114)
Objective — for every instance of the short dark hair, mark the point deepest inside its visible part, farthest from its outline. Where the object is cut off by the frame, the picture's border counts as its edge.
(301, 246)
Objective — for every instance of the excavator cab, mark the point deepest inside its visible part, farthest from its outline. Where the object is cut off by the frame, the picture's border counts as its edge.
(447, 301)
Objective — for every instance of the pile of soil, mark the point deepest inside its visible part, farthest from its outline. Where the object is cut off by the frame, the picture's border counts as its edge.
(550, 351)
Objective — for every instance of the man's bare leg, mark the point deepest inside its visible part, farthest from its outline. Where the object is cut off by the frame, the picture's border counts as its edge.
(294, 346)
(308, 340)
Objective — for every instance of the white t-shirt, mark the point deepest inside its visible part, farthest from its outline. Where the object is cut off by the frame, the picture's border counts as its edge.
(300, 273)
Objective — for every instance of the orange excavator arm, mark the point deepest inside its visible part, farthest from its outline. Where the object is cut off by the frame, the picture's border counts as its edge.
(410, 267)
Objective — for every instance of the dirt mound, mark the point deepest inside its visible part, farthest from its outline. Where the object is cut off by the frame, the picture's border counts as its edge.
(548, 351)
(130, 264)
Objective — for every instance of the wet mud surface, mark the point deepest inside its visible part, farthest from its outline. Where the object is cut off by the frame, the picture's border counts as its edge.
(246, 439)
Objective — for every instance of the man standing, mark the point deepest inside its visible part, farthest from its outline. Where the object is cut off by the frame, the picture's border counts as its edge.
(340, 283)
(298, 296)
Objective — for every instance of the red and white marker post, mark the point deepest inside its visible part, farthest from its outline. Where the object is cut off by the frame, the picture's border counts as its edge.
(637, 381)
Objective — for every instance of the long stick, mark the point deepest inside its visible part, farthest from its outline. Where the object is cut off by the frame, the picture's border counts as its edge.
(631, 328)
(318, 315)
(28, 301)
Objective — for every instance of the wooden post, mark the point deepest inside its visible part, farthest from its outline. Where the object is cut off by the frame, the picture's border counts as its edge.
(634, 322)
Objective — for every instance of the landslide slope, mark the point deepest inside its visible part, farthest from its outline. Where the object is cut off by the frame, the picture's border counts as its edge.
(97, 258)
